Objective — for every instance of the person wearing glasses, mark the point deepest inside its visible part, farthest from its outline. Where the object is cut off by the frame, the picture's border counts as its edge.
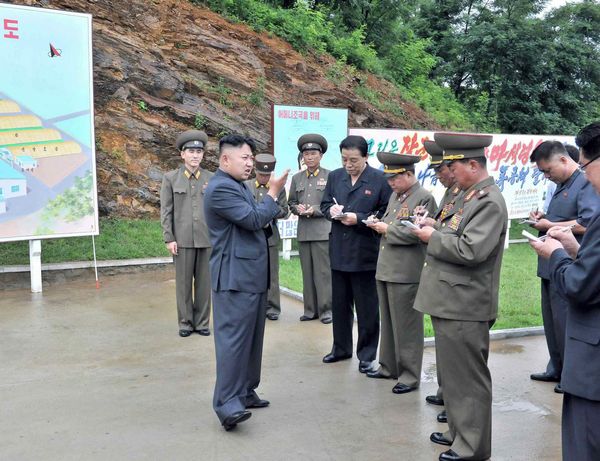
(573, 203)
(574, 268)
(185, 233)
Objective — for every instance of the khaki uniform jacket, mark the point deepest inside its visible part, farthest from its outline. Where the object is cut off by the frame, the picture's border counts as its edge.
(308, 190)
(182, 208)
(401, 253)
(461, 274)
(450, 197)
(259, 193)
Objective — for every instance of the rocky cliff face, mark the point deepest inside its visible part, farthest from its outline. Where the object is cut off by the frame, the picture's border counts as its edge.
(163, 66)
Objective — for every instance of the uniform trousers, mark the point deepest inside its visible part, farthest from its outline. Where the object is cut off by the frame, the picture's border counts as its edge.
(580, 429)
(192, 287)
(401, 346)
(358, 289)
(554, 315)
(316, 278)
(462, 350)
(274, 297)
(239, 324)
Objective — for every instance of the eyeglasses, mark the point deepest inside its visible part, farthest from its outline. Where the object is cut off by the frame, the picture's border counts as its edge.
(583, 167)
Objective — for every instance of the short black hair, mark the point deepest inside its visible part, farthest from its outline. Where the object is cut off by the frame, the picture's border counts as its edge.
(355, 142)
(546, 150)
(236, 140)
(588, 139)
(572, 151)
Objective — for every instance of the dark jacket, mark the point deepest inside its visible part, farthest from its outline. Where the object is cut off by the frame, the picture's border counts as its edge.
(579, 281)
(240, 259)
(355, 248)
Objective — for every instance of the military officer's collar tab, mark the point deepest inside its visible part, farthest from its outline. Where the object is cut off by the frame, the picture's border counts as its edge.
(188, 174)
(261, 185)
(313, 174)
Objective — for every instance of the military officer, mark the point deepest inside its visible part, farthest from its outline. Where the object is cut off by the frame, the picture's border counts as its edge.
(399, 264)
(185, 233)
(451, 195)
(459, 289)
(306, 192)
(264, 165)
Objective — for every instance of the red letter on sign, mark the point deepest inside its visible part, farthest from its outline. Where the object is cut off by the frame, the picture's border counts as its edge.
(11, 25)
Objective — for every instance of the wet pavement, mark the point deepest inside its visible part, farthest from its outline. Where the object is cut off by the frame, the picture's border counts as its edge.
(102, 374)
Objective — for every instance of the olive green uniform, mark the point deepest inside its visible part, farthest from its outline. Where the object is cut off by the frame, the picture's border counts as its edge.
(459, 289)
(399, 264)
(313, 242)
(259, 191)
(182, 220)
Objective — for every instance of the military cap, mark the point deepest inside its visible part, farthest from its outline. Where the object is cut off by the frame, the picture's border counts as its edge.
(312, 141)
(394, 164)
(194, 139)
(264, 163)
(435, 152)
(462, 145)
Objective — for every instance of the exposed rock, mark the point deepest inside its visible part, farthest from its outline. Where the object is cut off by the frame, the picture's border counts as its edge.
(164, 66)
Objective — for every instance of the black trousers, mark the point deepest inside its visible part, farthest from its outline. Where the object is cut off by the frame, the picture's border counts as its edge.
(580, 429)
(356, 289)
(554, 315)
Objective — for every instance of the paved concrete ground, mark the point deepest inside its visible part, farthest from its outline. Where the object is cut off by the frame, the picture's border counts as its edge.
(92, 374)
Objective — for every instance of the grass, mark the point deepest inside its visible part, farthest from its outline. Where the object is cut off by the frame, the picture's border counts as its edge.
(118, 239)
(127, 239)
(519, 288)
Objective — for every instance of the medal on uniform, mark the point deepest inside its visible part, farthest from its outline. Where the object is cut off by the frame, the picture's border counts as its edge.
(456, 220)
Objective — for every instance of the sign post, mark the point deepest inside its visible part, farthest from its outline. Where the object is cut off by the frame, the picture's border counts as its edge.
(35, 265)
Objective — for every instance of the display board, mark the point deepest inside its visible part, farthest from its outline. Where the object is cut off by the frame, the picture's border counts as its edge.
(521, 183)
(47, 156)
(291, 122)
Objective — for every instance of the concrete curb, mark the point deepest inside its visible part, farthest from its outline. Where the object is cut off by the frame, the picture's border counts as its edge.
(494, 334)
(89, 264)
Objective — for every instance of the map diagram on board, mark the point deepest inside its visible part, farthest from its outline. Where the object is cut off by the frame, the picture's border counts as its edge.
(47, 157)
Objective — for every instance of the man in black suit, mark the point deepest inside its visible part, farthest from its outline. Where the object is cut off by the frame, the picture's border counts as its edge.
(352, 194)
(239, 267)
(575, 272)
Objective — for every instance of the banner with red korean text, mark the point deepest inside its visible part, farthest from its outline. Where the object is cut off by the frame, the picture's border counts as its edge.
(522, 184)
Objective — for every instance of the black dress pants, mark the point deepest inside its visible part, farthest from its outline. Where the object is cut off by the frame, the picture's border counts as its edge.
(356, 289)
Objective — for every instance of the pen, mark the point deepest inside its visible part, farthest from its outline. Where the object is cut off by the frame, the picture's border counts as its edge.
(564, 229)
(335, 201)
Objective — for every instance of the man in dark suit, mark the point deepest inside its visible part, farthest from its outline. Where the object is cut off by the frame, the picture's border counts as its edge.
(574, 271)
(352, 194)
(573, 203)
(239, 267)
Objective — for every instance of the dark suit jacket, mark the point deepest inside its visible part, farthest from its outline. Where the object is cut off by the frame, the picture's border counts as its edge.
(240, 259)
(355, 248)
(579, 281)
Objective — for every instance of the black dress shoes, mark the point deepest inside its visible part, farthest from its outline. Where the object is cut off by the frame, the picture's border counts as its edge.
(203, 332)
(326, 320)
(364, 366)
(306, 318)
(258, 403)
(330, 358)
(273, 316)
(547, 378)
(442, 417)
(401, 388)
(377, 374)
(184, 333)
(558, 389)
(438, 437)
(450, 456)
(234, 419)
(434, 400)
